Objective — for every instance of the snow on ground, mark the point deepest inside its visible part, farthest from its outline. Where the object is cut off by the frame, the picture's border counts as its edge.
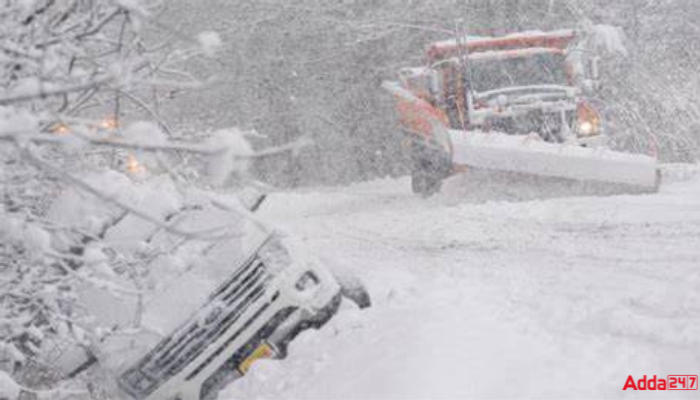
(545, 298)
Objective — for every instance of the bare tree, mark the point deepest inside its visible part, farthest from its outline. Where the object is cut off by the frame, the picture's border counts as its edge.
(74, 74)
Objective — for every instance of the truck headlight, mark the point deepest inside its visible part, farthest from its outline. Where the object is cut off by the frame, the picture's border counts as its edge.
(306, 281)
(274, 255)
(585, 128)
(588, 120)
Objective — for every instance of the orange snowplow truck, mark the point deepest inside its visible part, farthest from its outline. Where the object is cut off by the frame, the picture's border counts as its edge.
(477, 98)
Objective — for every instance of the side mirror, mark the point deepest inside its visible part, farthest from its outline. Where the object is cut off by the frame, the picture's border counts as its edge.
(433, 83)
(591, 84)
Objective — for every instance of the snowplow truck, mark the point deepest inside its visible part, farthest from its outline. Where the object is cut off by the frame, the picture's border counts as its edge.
(524, 103)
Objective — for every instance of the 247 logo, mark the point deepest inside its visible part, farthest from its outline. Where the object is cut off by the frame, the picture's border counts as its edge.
(670, 382)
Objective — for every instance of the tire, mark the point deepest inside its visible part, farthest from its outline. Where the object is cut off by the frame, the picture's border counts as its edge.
(418, 182)
(425, 184)
(429, 168)
(433, 185)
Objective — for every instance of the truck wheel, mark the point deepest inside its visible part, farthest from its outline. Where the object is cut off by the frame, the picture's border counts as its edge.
(425, 183)
(429, 167)
(418, 182)
(433, 183)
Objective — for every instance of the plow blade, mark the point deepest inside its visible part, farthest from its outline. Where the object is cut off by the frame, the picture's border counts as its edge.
(526, 155)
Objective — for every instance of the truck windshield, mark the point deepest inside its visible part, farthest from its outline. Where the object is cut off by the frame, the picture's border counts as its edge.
(538, 69)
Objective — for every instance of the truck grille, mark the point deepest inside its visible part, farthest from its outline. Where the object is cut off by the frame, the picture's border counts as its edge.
(222, 310)
(546, 124)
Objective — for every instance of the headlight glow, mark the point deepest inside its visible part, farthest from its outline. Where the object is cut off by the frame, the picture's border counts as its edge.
(585, 128)
(108, 123)
(588, 120)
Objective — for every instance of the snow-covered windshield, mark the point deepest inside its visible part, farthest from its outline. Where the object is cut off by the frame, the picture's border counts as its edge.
(538, 69)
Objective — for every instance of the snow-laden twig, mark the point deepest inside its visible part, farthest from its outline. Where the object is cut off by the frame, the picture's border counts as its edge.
(150, 147)
(52, 92)
(10, 389)
(142, 104)
(271, 151)
(99, 283)
(97, 27)
(207, 234)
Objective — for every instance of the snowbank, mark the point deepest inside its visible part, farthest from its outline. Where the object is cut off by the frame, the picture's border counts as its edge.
(559, 298)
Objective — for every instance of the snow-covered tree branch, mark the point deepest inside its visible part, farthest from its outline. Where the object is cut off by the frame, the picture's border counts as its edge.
(74, 76)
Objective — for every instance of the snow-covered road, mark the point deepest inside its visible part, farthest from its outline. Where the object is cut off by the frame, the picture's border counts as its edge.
(547, 298)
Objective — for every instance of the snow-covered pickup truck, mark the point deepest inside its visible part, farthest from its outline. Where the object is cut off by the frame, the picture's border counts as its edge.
(184, 298)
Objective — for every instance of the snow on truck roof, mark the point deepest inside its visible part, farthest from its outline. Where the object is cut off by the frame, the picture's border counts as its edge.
(515, 53)
(558, 39)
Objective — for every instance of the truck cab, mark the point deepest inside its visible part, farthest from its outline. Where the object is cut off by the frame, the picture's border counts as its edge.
(519, 84)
